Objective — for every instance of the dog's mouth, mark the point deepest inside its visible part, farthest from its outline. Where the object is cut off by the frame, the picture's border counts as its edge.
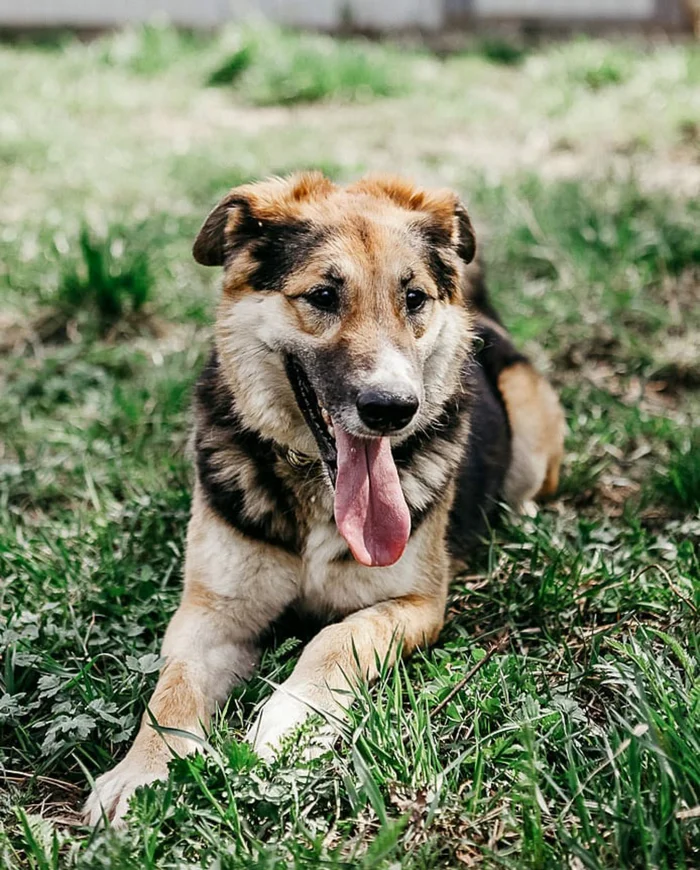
(317, 418)
(369, 506)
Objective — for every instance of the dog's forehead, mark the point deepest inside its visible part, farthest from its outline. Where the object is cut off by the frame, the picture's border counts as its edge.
(285, 233)
(355, 211)
(363, 229)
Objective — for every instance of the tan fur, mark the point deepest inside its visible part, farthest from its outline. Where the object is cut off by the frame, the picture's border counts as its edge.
(235, 586)
(233, 589)
(537, 425)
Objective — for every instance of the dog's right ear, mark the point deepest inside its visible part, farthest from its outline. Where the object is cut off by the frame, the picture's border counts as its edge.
(247, 211)
(209, 246)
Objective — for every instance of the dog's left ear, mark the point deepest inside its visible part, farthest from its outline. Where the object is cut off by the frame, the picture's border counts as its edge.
(465, 240)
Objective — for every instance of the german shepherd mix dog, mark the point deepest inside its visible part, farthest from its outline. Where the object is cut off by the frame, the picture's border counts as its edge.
(361, 414)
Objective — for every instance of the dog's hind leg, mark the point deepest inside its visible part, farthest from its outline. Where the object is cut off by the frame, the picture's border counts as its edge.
(233, 589)
(535, 417)
(537, 435)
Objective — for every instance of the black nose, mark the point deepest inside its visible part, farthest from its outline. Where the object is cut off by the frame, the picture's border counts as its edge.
(386, 412)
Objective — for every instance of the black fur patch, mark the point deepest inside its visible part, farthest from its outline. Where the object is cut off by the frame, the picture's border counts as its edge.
(434, 233)
(477, 295)
(484, 465)
(436, 243)
(219, 429)
(283, 249)
(278, 248)
(443, 273)
(488, 454)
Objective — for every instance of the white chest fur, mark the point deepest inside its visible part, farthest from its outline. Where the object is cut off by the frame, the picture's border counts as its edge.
(337, 586)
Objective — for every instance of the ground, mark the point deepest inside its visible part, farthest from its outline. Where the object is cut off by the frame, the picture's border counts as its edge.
(576, 742)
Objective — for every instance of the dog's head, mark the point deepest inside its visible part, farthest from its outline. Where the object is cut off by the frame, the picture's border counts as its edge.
(342, 328)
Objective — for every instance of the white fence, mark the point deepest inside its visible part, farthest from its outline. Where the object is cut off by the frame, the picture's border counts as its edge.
(332, 14)
(568, 9)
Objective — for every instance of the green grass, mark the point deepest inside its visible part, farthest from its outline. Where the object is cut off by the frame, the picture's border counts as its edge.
(679, 482)
(597, 66)
(149, 49)
(575, 744)
(269, 67)
(110, 281)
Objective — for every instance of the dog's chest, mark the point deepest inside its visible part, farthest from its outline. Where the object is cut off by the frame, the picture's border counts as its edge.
(334, 584)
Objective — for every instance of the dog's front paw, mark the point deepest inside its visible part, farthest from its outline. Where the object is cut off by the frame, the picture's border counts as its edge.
(110, 796)
(278, 718)
(284, 712)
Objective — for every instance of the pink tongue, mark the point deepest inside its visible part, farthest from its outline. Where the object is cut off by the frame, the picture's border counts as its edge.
(370, 510)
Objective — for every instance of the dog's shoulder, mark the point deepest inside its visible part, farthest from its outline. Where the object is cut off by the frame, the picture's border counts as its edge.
(242, 475)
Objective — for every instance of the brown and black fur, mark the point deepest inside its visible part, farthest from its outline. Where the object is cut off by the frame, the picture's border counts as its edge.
(262, 538)
(222, 440)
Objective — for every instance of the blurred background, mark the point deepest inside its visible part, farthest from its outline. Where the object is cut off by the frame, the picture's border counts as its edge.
(571, 130)
(360, 14)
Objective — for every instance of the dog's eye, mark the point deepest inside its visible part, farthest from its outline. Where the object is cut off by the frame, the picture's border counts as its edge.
(324, 298)
(415, 300)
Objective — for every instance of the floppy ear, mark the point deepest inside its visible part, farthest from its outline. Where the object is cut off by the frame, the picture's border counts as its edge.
(465, 238)
(245, 211)
(208, 249)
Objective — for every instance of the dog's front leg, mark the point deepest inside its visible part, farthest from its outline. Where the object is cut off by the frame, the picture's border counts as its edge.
(233, 589)
(340, 656)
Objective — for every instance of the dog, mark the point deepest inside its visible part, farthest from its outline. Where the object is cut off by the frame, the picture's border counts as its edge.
(361, 416)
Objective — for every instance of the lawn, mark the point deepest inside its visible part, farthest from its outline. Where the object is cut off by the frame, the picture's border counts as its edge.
(556, 723)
